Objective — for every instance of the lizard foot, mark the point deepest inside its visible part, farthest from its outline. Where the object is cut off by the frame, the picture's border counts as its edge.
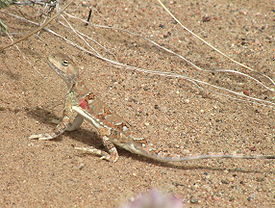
(41, 136)
(103, 155)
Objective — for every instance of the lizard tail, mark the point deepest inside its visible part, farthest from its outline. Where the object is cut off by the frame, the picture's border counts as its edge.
(163, 158)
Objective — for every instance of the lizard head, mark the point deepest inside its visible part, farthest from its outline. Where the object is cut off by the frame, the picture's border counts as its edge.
(64, 67)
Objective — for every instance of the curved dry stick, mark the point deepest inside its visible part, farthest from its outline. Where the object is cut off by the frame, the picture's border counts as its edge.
(160, 73)
(213, 47)
(174, 53)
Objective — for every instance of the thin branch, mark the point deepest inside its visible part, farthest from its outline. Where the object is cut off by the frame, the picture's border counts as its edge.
(155, 72)
(37, 29)
(81, 35)
(174, 53)
(213, 47)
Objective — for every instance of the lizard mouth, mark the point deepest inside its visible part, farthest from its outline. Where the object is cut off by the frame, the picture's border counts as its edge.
(67, 78)
(57, 70)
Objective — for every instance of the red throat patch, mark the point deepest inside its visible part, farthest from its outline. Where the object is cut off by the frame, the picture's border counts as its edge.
(83, 104)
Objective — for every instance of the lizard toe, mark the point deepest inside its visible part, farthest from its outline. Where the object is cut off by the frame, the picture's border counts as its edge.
(41, 137)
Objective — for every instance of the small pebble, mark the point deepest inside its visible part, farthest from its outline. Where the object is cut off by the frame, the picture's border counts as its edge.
(168, 34)
(250, 198)
(156, 107)
(259, 179)
(206, 18)
(84, 4)
(231, 179)
(243, 12)
(187, 101)
(225, 181)
(226, 171)
(194, 201)
(161, 25)
(81, 166)
(246, 92)
(185, 151)
(231, 198)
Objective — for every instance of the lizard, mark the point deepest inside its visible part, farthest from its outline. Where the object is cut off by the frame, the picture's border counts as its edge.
(82, 104)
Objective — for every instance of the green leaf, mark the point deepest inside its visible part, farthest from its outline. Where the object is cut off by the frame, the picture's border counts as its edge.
(5, 3)
(3, 27)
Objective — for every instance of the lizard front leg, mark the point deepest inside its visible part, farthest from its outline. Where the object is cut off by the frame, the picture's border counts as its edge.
(69, 122)
(58, 130)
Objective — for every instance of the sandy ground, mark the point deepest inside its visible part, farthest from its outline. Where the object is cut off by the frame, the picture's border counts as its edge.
(169, 112)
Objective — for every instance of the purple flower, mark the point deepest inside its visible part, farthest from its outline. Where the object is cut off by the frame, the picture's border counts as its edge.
(155, 199)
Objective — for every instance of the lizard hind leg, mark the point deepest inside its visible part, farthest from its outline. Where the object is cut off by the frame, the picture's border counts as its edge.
(112, 156)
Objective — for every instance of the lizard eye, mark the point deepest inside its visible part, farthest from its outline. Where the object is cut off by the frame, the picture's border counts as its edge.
(65, 63)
